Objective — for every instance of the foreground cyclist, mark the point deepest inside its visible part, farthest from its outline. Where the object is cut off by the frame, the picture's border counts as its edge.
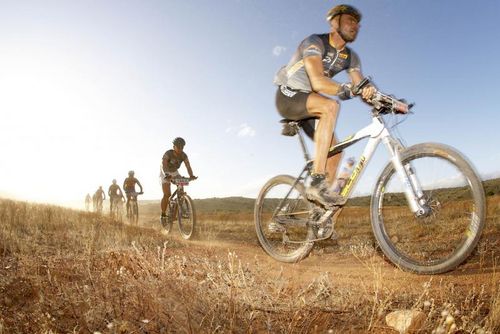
(304, 82)
(171, 162)
(129, 186)
(115, 194)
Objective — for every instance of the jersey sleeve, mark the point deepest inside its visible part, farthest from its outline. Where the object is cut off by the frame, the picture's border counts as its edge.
(355, 64)
(312, 46)
(167, 156)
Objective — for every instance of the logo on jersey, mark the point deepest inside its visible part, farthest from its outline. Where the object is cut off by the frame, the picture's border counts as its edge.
(343, 55)
(312, 51)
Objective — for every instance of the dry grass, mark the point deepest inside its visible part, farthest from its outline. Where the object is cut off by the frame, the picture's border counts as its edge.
(64, 271)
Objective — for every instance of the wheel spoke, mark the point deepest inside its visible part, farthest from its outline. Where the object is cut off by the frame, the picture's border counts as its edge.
(282, 213)
(439, 239)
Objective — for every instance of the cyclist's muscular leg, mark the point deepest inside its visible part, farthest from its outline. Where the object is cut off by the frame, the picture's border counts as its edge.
(332, 164)
(166, 196)
(326, 110)
(128, 201)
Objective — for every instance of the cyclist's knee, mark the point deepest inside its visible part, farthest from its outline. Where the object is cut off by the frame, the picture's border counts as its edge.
(329, 109)
(332, 106)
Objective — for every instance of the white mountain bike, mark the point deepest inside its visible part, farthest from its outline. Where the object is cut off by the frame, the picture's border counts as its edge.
(427, 208)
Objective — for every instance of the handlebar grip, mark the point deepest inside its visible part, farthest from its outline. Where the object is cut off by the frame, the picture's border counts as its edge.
(356, 89)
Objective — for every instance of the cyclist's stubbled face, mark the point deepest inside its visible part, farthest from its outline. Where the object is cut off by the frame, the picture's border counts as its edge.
(178, 149)
(349, 27)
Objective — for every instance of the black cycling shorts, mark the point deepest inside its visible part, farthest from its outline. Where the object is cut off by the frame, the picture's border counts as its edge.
(294, 108)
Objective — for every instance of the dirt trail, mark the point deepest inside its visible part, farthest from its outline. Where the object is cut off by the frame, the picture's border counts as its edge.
(346, 270)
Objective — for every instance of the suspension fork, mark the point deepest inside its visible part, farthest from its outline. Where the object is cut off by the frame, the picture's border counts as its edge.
(412, 188)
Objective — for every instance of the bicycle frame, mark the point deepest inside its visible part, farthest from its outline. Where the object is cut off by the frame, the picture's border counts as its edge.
(179, 192)
(376, 133)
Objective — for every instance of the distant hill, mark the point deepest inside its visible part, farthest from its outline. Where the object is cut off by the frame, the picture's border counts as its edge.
(246, 205)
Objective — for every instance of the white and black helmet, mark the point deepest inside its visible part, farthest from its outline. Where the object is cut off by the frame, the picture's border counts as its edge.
(343, 9)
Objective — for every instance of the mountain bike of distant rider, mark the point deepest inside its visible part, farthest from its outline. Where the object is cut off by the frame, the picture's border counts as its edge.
(133, 207)
(99, 204)
(117, 208)
(427, 208)
(180, 207)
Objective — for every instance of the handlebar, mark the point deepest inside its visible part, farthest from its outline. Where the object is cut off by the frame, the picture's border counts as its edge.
(181, 180)
(382, 103)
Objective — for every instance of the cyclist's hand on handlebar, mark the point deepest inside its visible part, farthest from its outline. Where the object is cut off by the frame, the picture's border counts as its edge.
(368, 92)
(192, 177)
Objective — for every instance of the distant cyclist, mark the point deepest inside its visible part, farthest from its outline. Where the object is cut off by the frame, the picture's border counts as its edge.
(171, 162)
(88, 200)
(100, 196)
(129, 186)
(115, 194)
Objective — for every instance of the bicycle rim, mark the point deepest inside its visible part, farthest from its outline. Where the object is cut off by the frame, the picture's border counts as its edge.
(443, 238)
(281, 215)
(135, 213)
(186, 217)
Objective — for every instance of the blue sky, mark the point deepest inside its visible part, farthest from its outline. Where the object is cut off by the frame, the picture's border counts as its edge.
(91, 89)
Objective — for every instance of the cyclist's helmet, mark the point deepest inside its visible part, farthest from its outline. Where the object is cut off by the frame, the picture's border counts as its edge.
(114, 181)
(179, 142)
(343, 9)
(131, 173)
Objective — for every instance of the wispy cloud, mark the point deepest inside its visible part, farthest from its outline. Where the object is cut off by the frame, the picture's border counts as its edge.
(242, 130)
(278, 50)
(246, 131)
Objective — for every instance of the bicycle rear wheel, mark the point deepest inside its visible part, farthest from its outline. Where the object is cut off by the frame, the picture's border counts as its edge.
(443, 238)
(281, 219)
(186, 217)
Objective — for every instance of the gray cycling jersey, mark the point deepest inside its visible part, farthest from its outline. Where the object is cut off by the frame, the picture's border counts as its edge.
(173, 162)
(294, 74)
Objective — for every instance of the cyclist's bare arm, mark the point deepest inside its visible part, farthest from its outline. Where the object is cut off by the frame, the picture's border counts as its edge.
(140, 185)
(189, 169)
(366, 92)
(319, 82)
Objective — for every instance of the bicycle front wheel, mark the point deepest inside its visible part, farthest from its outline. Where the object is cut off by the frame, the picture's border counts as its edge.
(454, 199)
(167, 221)
(134, 212)
(186, 217)
(281, 219)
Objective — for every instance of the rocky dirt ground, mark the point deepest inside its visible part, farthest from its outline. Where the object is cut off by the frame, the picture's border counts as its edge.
(64, 271)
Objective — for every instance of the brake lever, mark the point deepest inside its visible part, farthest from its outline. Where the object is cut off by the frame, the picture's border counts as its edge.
(356, 89)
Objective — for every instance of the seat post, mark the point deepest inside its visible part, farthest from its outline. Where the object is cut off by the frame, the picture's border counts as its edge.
(303, 144)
